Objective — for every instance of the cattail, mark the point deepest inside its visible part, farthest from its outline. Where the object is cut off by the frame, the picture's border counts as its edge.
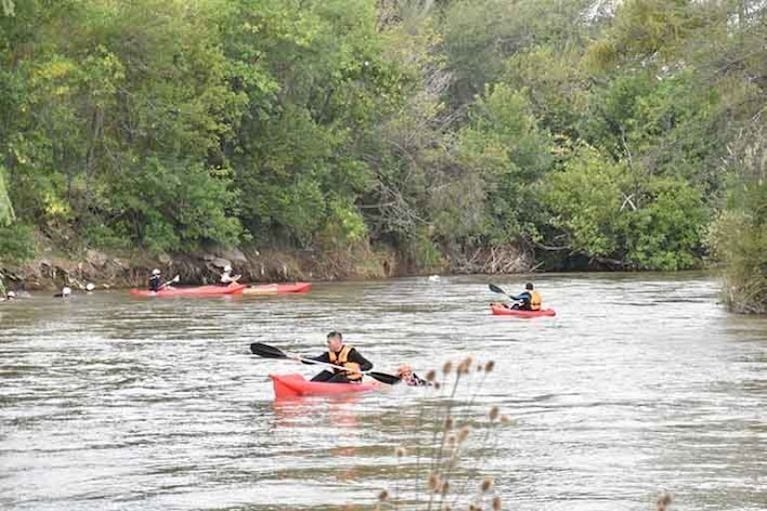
(447, 368)
(401, 451)
(505, 419)
(445, 488)
(496, 503)
(431, 375)
(493, 413)
(451, 440)
(448, 423)
(463, 433)
(489, 365)
(465, 366)
(384, 495)
(433, 483)
(437, 385)
(487, 483)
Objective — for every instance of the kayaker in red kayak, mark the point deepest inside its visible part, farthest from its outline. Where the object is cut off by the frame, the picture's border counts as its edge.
(409, 378)
(527, 300)
(341, 354)
(155, 281)
(226, 277)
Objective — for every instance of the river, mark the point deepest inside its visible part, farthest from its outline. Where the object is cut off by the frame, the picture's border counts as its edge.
(642, 382)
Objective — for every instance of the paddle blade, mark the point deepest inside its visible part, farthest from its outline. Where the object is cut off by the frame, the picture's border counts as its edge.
(496, 289)
(171, 281)
(388, 379)
(266, 351)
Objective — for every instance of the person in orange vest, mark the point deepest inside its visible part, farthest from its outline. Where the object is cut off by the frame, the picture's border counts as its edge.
(528, 300)
(344, 355)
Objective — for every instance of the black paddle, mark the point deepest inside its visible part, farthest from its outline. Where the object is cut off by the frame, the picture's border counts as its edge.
(496, 289)
(266, 351)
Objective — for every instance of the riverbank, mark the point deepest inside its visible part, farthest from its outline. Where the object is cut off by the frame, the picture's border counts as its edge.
(121, 269)
(130, 269)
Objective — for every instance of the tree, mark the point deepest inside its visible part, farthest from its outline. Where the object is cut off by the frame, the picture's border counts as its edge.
(608, 216)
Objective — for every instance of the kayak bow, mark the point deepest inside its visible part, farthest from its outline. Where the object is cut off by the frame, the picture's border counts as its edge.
(278, 289)
(295, 385)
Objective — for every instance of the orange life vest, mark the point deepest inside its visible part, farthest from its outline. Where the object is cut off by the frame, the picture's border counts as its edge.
(342, 359)
(535, 300)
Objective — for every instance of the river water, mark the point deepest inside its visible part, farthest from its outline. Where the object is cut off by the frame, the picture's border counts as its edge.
(641, 383)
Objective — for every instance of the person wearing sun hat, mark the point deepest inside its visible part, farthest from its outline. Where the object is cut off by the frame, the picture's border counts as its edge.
(155, 281)
(227, 278)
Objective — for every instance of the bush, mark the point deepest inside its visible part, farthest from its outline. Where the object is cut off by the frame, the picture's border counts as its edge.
(605, 211)
(739, 239)
(17, 243)
(175, 205)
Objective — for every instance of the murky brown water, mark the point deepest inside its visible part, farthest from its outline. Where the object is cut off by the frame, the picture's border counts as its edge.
(642, 382)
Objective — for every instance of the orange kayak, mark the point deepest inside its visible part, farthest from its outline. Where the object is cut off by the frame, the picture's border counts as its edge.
(295, 385)
(232, 289)
(498, 309)
(278, 289)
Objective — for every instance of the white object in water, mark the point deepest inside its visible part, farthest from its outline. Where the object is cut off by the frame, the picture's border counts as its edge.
(66, 291)
(90, 286)
(433, 278)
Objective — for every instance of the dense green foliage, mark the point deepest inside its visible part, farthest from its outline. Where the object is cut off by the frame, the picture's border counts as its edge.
(739, 234)
(610, 133)
(6, 210)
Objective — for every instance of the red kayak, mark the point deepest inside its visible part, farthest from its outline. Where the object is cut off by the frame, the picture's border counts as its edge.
(232, 289)
(278, 289)
(499, 309)
(295, 385)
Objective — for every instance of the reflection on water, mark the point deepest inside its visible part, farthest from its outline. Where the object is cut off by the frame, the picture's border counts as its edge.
(641, 382)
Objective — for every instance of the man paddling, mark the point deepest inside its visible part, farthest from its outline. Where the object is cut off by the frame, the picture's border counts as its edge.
(227, 278)
(344, 355)
(528, 300)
